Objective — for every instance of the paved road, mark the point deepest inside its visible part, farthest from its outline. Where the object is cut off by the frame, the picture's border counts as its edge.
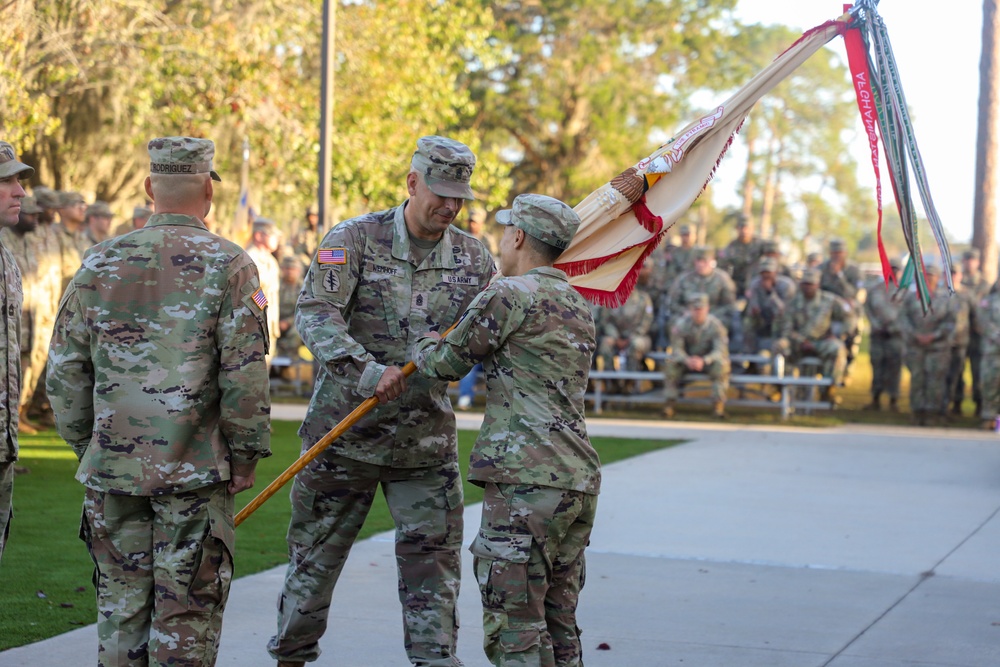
(743, 547)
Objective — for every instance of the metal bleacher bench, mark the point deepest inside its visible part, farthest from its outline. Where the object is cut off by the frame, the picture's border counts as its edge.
(750, 387)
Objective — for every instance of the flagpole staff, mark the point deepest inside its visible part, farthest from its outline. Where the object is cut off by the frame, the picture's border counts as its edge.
(324, 442)
(326, 112)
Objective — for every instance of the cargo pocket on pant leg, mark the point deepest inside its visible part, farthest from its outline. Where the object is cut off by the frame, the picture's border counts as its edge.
(213, 568)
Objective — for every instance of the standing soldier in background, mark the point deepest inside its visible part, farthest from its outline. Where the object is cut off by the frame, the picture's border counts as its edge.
(698, 344)
(540, 473)
(264, 242)
(379, 282)
(291, 284)
(22, 241)
(839, 277)
(624, 332)
(740, 255)
(49, 291)
(140, 214)
(973, 281)
(988, 322)
(808, 329)
(11, 194)
(928, 339)
(962, 303)
(477, 227)
(883, 308)
(97, 222)
(306, 240)
(158, 378)
(72, 243)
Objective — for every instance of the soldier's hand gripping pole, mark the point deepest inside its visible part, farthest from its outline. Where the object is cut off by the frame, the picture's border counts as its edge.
(314, 451)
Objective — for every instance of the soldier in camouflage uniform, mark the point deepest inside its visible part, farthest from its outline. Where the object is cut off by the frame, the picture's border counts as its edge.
(807, 329)
(963, 303)
(540, 473)
(978, 288)
(21, 240)
(70, 235)
(768, 296)
(97, 222)
(48, 291)
(769, 250)
(928, 339)
(11, 195)
(988, 323)
(883, 307)
(265, 240)
(158, 381)
(738, 258)
(698, 344)
(377, 283)
(291, 284)
(306, 240)
(140, 214)
(704, 278)
(839, 277)
(624, 332)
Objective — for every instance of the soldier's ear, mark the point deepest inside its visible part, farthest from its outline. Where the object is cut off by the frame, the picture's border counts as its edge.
(148, 187)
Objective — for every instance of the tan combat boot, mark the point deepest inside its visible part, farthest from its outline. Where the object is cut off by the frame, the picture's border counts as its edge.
(719, 410)
(668, 410)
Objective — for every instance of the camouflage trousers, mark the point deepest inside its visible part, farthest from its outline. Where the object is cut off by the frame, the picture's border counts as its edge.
(6, 502)
(887, 364)
(928, 378)
(638, 348)
(163, 567)
(530, 566)
(717, 371)
(832, 354)
(990, 377)
(974, 354)
(956, 367)
(329, 507)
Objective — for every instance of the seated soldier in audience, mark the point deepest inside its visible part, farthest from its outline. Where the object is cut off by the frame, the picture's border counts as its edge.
(807, 329)
(623, 332)
(713, 282)
(771, 250)
(698, 344)
(739, 257)
(668, 264)
(767, 298)
(844, 278)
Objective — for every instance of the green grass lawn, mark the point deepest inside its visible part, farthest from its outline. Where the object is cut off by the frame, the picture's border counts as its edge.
(45, 576)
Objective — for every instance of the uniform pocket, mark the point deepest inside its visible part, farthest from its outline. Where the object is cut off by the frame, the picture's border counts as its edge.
(501, 567)
(213, 566)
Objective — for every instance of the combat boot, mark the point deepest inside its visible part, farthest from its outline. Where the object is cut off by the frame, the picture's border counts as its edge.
(719, 410)
(956, 408)
(893, 407)
(668, 410)
(831, 395)
(874, 405)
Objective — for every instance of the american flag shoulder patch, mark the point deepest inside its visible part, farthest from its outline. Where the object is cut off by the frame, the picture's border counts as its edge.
(259, 298)
(332, 256)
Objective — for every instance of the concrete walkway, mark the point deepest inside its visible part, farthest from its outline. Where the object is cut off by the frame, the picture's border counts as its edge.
(744, 547)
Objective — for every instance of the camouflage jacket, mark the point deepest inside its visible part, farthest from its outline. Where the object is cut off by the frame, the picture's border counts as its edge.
(534, 335)
(269, 274)
(846, 284)
(939, 320)
(717, 285)
(304, 245)
(71, 248)
(738, 258)
(883, 308)
(156, 371)
(765, 308)
(10, 380)
(363, 305)
(632, 318)
(811, 319)
(707, 340)
(290, 341)
(962, 304)
(24, 249)
(668, 265)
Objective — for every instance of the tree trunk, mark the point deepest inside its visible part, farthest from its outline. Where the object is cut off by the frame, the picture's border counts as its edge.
(988, 145)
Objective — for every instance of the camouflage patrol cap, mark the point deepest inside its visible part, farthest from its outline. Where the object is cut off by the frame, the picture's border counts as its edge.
(265, 225)
(29, 206)
(141, 212)
(703, 252)
(699, 300)
(10, 165)
(770, 247)
(312, 209)
(742, 221)
(169, 156)
(99, 209)
(932, 270)
(768, 264)
(837, 245)
(684, 230)
(971, 253)
(814, 257)
(46, 197)
(68, 198)
(810, 277)
(477, 213)
(290, 261)
(895, 264)
(548, 220)
(446, 166)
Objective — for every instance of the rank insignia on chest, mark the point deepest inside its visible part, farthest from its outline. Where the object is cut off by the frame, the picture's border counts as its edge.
(332, 256)
(259, 298)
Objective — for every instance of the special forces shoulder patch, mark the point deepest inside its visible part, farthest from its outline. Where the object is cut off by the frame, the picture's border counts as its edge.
(331, 256)
(331, 281)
